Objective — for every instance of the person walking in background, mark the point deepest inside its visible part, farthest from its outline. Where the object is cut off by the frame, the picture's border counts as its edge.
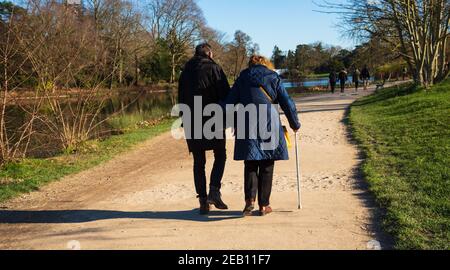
(356, 77)
(202, 77)
(365, 77)
(261, 86)
(333, 78)
(343, 77)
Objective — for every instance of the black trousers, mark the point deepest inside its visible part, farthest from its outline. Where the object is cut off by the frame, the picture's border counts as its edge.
(258, 180)
(333, 86)
(342, 87)
(220, 158)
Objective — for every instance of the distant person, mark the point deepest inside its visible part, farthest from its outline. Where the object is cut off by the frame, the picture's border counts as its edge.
(343, 77)
(356, 76)
(404, 73)
(202, 77)
(365, 77)
(333, 78)
(261, 86)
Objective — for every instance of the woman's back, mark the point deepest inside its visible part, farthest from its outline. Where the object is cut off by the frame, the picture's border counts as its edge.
(258, 85)
(251, 83)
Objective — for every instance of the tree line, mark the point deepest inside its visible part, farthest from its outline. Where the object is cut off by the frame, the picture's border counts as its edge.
(114, 43)
(319, 59)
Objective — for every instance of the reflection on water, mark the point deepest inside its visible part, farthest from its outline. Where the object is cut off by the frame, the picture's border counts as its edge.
(307, 83)
(317, 82)
(134, 105)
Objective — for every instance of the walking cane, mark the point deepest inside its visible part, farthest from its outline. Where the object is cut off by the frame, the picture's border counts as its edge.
(298, 171)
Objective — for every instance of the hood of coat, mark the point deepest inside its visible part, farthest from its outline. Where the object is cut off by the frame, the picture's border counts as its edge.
(260, 75)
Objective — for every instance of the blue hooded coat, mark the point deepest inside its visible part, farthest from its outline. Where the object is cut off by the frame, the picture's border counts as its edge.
(248, 90)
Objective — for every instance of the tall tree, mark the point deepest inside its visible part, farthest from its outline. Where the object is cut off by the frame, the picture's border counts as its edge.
(278, 58)
(179, 23)
(239, 50)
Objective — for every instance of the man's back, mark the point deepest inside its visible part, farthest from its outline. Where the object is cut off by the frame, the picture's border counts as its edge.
(202, 77)
(365, 73)
(332, 76)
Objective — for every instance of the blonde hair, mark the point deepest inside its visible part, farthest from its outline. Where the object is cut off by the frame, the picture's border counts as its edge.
(260, 60)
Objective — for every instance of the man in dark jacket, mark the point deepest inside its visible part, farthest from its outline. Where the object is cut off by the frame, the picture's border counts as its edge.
(203, 78)
(356, 76)
(333, 79)
(365, 77)
(343, 79)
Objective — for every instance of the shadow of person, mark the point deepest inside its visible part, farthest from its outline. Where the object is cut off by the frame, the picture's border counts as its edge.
(85, 216)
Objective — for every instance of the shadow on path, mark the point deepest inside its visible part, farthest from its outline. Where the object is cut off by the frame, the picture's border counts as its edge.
(85, 216)
(364, 194)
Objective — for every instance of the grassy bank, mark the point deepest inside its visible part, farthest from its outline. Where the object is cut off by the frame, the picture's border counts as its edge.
(30, 174)
(297, 92)
(405, 134)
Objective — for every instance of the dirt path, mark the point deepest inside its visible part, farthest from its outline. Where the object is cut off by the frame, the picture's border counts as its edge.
(145, 199)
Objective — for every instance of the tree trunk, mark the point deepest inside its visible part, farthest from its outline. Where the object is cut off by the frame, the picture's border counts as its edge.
(136, 71)
(172, 75)
(443, 72)
(120, 67)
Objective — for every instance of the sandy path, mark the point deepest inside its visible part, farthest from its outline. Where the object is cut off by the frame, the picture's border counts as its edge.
(145, 199)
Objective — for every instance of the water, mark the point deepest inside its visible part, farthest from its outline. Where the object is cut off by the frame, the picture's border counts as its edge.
(131, 106)
(316, 82)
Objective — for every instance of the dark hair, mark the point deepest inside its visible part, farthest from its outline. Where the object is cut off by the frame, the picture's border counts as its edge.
(203, 49)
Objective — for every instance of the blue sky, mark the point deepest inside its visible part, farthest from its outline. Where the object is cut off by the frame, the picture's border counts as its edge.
(285, 23)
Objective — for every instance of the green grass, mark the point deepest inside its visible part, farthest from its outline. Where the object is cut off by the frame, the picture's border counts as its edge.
(298, 93)
(315, 76)
(30, 174)
(131, 121)
(405, 135)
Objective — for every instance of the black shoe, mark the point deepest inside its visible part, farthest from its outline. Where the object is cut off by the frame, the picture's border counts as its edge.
(215, 198)
(249, 207)
(204, 206)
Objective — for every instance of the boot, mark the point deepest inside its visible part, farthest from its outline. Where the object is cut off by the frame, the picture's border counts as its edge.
(215, 198)
(204, 206)
(263, 211)
(249, 207)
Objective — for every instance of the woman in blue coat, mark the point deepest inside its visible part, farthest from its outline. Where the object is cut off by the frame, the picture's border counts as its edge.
(261, 87)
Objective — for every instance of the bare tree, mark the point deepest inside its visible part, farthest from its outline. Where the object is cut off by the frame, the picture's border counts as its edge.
(239, 50)
(62, 62)
(14, 139)
(120, 37)
(217, 41)
(179, 24)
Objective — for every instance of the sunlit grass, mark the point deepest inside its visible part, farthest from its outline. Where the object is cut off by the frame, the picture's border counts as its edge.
(405, 134)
